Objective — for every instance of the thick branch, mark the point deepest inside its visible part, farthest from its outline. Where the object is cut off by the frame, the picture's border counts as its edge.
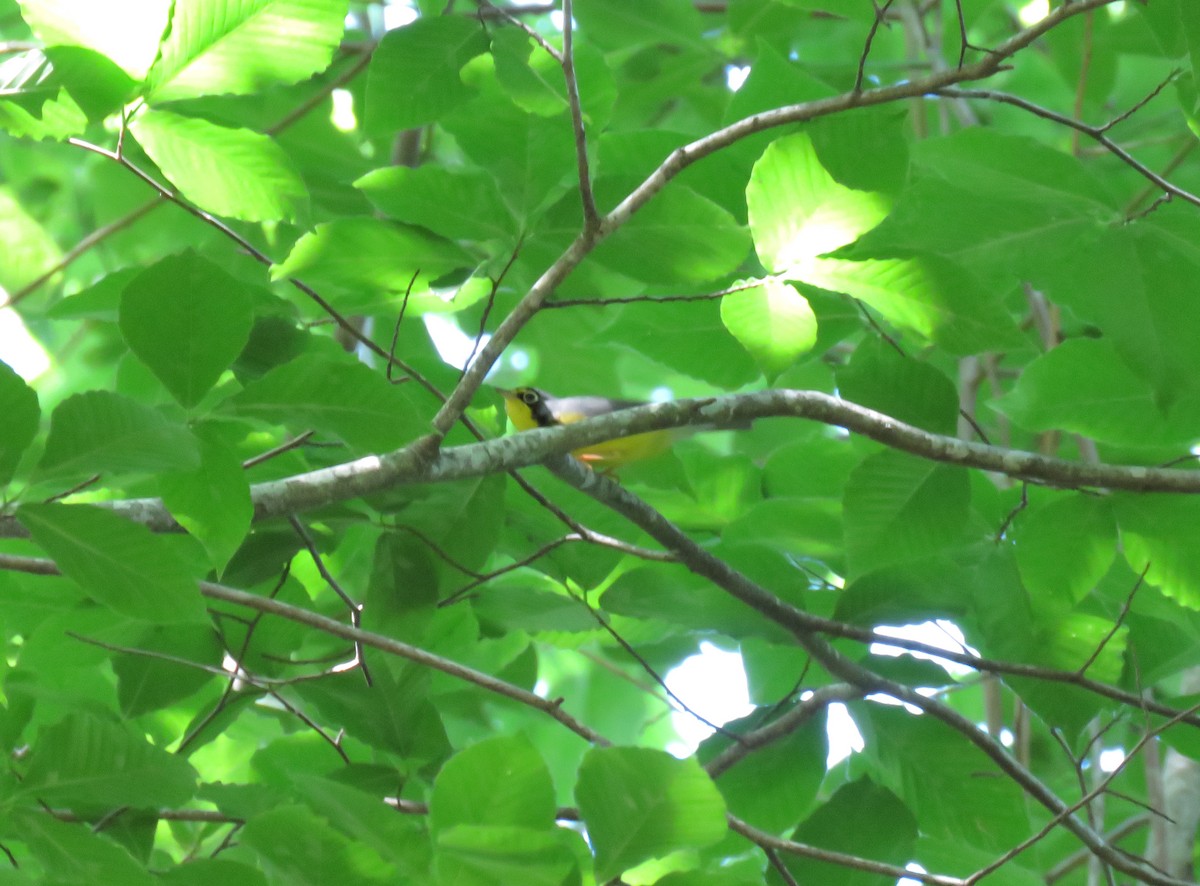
(376, 473)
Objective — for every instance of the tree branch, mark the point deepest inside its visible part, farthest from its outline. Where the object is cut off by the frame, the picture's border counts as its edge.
(1098, 133)
(591, 218)
(213, 591)
(791, 847)
(376, 473)
(702, 563)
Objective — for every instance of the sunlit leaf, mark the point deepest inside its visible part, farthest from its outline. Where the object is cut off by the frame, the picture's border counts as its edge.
(234, 172)
(773, 322)
(230, 46)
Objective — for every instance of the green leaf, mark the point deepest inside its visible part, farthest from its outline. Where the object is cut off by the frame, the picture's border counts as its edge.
(752, 787)
(393, 715)
(187, 320)
(212, 502)
(1041, 203)
(414, 76)
(130, 39)
(639, 803)
(117, 563)
(58, 119)
(101, 431)
(864, 149)
(73, 853)
(30, 80)
(501, 781)
(398, 839)
(1084, 386)
(934, 298)
(150, 683)
(293, 844)
(1155, 533)
(89, 762)
(343, 398)
(27, 81)
(96, 84)
(231, 46)
(1081, 524)
(481, 855)
(1130, 287)
(799, 214)
(909, 593)
(357, 253)
(774, 81)
(19, 406)
(29, 250)
(680, 235)
(798, 211)
(233, 172)
(900, 387)
(457, 204)
(773, 322)
(933, 777)
(534, 80)
(530, 157)
(899, 507)
(621, 26)
(861, 818)
(204, 871)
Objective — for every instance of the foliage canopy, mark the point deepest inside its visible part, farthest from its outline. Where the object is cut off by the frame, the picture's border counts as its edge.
(283, 604)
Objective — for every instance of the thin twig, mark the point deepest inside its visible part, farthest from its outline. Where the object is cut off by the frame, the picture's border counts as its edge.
(235, 672)
(653, 299)
(591, 218)
(491, 301)
(285, 446)
(551, 707)
(509, 14)
(1118, 623)
(1095, 132)
(364, 53)
(880, 12)
(354, 608)
(777, 863)
(95, 237)
(503, 570)
(653, 674)
(854, 862)
(391, 354)
(800, 713)
(78, 487)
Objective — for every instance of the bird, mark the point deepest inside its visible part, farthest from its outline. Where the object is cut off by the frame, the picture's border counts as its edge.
(530, 408)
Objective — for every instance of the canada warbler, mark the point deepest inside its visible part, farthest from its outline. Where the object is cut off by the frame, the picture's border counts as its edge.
(530, 408)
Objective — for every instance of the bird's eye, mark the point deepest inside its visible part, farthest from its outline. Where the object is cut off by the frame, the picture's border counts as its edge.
(529, 397)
